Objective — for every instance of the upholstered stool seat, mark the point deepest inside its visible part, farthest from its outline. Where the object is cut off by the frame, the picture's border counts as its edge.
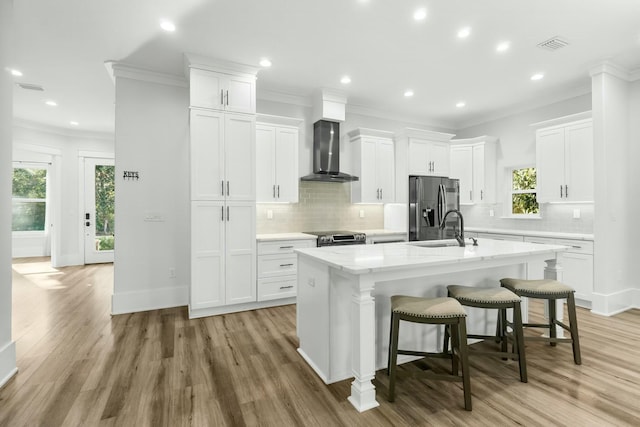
(551, 290)
(438, 311)
(500, 299)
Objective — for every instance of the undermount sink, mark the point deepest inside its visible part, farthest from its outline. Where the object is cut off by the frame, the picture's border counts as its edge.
(435, 243)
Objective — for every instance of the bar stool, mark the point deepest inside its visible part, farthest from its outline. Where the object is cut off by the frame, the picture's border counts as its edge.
(551, 290)
(500, 299)
(434, 311)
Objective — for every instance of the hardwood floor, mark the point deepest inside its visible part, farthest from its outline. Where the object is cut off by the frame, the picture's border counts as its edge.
(81, 367)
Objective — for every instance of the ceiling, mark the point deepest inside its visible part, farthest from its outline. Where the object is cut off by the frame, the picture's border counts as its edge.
(63, 44)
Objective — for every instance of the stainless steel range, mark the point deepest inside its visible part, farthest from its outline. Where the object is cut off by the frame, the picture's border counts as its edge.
(335, 238)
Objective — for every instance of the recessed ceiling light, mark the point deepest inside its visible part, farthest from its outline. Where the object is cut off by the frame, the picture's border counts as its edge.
(264, 62)
(51, 103)
(503, 46)
(463, 33)
(345, 80)
(73, 123)
(168, 26)
(408, 93)
(461, 104)
(537, 76)
(16, 73)
(420, 14)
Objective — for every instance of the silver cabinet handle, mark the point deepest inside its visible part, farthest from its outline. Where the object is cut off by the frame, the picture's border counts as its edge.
(221, 97)
(286, 287)
(286, 265)
(222, 187)
(377, 194)
(381, 194)
(228, 216)
(566, 191)
(278, 191)
(274, 191)
(470, 194)
(222, 217)
(561, 191)
(286, 247)
(481, 195)
(227, 188)
(227, 98)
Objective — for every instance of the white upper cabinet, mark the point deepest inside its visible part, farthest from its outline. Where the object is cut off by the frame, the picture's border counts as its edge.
(373, 163)
(277, 166)
(473, 162)
(220, 91)
(222, 156)
(564, 161)
(428, 152)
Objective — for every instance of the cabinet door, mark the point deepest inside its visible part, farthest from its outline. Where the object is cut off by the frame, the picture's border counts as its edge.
(578, 273)
(265, 166)
(419, 161)
(439, 155)
(207, 255)
(479, 191)
(240, 252)
(206, 89)
(240, 163)
(578, 161)
(286, 165)
(385, 171)
(240, 94)
(462, 169)
(369, 189)
(550, 165)
(207, 155)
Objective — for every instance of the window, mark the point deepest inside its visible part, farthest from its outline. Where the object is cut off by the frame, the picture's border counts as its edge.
(29, 199)
(523, 192)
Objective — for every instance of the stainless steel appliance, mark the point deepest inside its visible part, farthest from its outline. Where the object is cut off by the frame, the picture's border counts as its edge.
(326, 154)
(430, 197)
(335, 238)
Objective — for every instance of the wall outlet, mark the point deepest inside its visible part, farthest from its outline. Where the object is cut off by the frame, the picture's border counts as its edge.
(361, 213)
(491, 213)
(576, 214)
(269, 214)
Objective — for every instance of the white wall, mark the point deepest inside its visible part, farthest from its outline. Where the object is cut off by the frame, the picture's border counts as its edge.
(615, 279)
(633, 198)
(151, 137)
(7, 346)
(64, 149)
(517, 147)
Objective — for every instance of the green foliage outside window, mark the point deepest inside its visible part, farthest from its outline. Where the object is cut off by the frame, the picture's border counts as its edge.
(523, 192)
(105, 207)
(29, 207)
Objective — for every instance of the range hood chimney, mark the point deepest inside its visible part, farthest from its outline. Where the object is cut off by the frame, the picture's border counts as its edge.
(329, 110)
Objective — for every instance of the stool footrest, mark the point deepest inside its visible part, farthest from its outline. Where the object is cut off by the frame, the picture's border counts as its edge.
(424, 354)
(547, 339)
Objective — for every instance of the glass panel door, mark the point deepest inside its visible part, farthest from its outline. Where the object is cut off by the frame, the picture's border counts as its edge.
(99, 214)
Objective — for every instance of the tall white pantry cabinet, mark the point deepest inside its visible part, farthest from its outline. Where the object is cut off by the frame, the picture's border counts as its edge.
(223, 185)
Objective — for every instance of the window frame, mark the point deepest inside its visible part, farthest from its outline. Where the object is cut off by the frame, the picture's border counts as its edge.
(511, 192)
(47, 200)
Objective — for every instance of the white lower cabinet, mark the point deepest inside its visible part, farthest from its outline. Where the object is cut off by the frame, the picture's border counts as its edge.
(577, 267)
(278, 268)
(223, 269)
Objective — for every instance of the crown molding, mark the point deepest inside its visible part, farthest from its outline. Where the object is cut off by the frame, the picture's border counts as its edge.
(585, 115)
(608, 67)
(427, 134)
(40, 127)
(372, 133)
(193, 60)
(474, 140)
(134, 72)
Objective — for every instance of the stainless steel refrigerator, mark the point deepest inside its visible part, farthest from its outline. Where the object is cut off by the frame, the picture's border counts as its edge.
(430, 197)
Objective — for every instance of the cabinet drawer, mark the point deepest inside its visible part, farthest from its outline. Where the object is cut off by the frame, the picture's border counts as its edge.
(281, 287)
(277, 265)
(496, 236)
(577, 246)
(283, 246)
(543, 240)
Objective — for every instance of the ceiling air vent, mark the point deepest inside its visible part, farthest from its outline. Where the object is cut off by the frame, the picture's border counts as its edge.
(29, 86)
(554, 43)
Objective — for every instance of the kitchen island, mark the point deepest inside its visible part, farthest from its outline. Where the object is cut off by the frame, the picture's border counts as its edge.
(343, 306)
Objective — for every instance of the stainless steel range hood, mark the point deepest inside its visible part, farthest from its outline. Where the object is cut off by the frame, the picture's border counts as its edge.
(326, 154)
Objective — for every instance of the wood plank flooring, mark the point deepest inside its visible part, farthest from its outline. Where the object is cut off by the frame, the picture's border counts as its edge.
(79, 366)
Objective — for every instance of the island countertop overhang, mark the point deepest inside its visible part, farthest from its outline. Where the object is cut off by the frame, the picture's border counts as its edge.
(365, 259)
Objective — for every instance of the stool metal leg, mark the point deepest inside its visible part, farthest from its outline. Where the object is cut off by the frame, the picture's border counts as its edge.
(455, 346)
(464, 362)
(519, 341)
(573, 325)
(393, 355)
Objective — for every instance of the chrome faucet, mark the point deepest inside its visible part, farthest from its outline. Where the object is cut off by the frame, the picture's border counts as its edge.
(458, 236)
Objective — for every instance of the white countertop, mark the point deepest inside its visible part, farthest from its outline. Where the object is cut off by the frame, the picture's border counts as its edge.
(361, 259)
(531, 233)
(284, 236)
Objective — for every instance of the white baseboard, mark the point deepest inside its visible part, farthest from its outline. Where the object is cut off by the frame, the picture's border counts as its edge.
(8, 366)
(226, 309)
(68, 260)
(616, 302)
(149, 299)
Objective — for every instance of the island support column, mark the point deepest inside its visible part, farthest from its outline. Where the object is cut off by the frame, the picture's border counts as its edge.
(553, 271)
(363, 344)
